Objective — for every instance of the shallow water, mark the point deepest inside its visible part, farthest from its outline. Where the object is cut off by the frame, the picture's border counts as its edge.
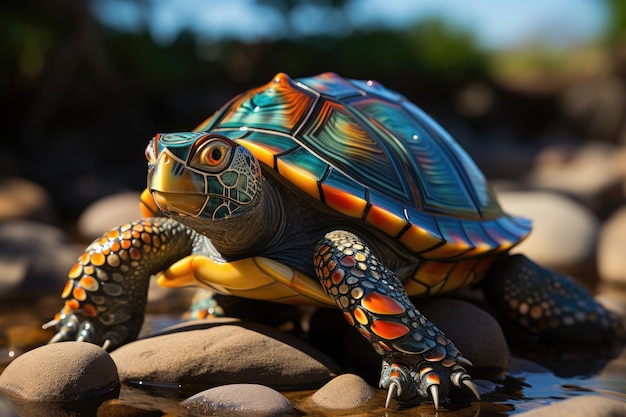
(536, 377)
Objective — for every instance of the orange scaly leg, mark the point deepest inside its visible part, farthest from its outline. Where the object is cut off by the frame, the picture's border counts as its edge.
(419, 362)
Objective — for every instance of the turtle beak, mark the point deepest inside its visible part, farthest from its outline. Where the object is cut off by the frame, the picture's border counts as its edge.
(176, 189)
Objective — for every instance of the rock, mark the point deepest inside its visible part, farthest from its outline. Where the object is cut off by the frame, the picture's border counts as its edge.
(114, 408)
(24, 199)
(34, 258)
(344, 392)
(60, 372)
(614, 301)
(612, 248)
(239, 399)
(6, 409)
(227, 354)
(473, 331)
(107, 213)
(597, 105)
(583, 406)
(592, 173)
(564, 232)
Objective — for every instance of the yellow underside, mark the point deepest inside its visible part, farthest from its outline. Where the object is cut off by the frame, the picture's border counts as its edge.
(261, 278)
(257, 278)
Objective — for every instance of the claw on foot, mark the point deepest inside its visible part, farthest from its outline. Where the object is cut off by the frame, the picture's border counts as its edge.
(434, 393)
(470, 385)
(107, 345)
(461, 378)
(394, 390)
(50, 324)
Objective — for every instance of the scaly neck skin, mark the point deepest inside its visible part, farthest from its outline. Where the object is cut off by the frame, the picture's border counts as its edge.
(245, 235)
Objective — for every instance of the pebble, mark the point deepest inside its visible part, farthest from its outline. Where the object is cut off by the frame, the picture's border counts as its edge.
(612, 248)
(592, 173)
(344, 392)
(264, 356)
(23, 199)
(6, 408)
(598, 104)
(34, 258)
(564, 231)
(582, 406)
(107, 213)
(239, 399)
(60, 372)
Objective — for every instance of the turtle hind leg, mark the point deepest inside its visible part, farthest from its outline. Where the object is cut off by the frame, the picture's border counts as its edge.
(547, 304)
(419, 362)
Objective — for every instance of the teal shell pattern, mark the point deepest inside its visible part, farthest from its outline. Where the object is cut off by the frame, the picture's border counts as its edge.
(371, 154)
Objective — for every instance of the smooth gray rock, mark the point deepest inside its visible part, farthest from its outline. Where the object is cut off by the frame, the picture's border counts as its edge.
(60, 372)
(227, 354)
(239, 399)
(344, 392)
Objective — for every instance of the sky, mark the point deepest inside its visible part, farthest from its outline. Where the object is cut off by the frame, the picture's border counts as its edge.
(497, 24)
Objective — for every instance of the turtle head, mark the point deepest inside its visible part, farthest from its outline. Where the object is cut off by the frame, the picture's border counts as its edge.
(202, 176)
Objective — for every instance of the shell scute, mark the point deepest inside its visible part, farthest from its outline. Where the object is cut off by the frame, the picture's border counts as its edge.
(371, 154)
(263, 145)
(337, 136)
(330, 84)
(277, 106)
(375, 88)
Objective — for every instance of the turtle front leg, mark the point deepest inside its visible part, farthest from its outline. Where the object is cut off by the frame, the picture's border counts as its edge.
(105, 295)
(419, 362)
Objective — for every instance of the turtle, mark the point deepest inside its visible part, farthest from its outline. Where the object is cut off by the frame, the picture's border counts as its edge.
(326, 191)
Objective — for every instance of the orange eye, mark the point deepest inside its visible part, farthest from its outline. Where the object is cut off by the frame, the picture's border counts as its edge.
(212, 156)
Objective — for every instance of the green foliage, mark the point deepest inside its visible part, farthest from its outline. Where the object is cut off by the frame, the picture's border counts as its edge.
(616, 27)
(452, 53)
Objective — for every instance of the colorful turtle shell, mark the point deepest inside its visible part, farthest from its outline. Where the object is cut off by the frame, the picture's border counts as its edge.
(370, 153)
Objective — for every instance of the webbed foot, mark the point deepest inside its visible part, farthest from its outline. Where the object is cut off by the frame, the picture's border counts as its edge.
(419, 361)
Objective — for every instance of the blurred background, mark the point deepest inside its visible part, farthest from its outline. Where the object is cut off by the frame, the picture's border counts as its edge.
(85, 84)
(535, 90)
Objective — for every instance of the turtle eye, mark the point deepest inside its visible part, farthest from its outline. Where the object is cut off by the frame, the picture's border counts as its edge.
(211, 156)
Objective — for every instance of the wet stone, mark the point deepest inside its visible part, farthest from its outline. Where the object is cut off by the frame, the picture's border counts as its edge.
(60, 372)
(344, 392)
(239, 399)
(583, 406)
(225, 354)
